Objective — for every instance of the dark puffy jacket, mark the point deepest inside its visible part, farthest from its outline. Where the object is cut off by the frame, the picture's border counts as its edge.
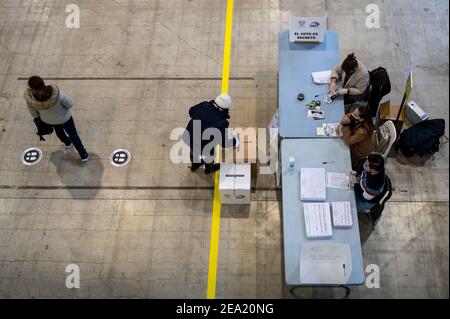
(380, 85)
(422, 138)
(210, 117)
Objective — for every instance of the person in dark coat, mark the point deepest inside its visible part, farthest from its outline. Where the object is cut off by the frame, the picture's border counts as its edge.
(368, 180)
(208, 118)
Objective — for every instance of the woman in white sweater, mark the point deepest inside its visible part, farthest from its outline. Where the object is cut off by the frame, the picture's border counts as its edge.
(54, 108)
(355, 79)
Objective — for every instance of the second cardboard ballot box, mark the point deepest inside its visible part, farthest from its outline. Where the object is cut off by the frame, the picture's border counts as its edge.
(415, 114)
(234, 184)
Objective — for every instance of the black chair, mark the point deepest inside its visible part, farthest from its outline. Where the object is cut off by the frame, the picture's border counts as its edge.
(379, 86)
(375, 212)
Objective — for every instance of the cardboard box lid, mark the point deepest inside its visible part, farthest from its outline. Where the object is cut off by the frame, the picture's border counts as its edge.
(226, 180)
(242, 176)
(248, 147)
(389, 111)
(235, 176)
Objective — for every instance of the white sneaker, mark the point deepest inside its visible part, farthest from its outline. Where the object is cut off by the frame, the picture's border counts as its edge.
(68, 146)
(87, 158)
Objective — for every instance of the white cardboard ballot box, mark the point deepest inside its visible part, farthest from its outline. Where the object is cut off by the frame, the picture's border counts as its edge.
(234, 183)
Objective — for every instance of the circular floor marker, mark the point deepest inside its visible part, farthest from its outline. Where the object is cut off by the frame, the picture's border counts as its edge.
(120, 157)
(31, 156)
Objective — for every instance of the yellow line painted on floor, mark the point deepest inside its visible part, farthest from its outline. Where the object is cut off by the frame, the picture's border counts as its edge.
(214, 242)
(215, 227)
(227, 47)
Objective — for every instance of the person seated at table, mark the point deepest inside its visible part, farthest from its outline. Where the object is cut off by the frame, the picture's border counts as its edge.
(355, 79)
(368, 180)
(358, 132)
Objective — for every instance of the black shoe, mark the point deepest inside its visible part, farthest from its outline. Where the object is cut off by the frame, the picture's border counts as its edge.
(212, 168)
(195, 166)
(85, 158)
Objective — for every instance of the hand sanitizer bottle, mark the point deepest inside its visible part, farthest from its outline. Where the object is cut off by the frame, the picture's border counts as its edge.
(291, 162)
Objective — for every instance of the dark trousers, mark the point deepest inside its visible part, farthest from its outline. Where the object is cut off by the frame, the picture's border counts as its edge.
(67, 133)
(196, 157)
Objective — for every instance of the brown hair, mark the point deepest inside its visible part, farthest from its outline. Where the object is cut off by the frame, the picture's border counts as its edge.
(41, 91)
(376, 161)
(366, 114)
(350, 63)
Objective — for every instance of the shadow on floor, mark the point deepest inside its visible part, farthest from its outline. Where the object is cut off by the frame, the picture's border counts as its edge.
(365, 228)
(83, 180)
(308, 292)
(235, 211)
(415, 160)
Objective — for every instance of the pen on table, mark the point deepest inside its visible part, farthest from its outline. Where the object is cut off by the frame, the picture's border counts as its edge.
(343, 265)
(328, 162)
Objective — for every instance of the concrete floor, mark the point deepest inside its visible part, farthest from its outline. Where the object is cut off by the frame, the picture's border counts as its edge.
(143, 231)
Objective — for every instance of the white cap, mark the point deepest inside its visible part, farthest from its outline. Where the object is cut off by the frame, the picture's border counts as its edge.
(223, 101)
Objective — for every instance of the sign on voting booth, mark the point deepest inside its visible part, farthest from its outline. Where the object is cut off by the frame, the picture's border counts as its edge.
(307, 29)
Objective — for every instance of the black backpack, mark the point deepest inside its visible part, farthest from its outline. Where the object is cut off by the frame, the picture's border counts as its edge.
(379, 86)
(42, 128)
(422, 138)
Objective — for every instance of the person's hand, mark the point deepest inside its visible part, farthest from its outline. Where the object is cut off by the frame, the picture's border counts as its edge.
(342, 91)
(235, 139)
(352, 177)
(345, 120)
(332, 88)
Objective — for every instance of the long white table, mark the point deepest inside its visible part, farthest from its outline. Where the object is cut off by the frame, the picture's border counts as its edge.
(296, 62)
(312, 153)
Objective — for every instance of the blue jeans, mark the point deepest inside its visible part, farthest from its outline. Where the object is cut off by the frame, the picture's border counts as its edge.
(362, 204)
(67, 133)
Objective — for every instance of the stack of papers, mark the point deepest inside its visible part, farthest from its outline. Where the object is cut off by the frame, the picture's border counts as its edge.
(330, 130)
(317, 220)
(342, 214)
(322, 77)
(338, 180)
(312, 184)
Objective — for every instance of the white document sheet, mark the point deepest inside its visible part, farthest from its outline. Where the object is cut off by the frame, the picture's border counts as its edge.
(325, 263)
(312, 184)
(338, 180)
(322, 77)
(317, 220)
(332, 129)
(342, 214)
